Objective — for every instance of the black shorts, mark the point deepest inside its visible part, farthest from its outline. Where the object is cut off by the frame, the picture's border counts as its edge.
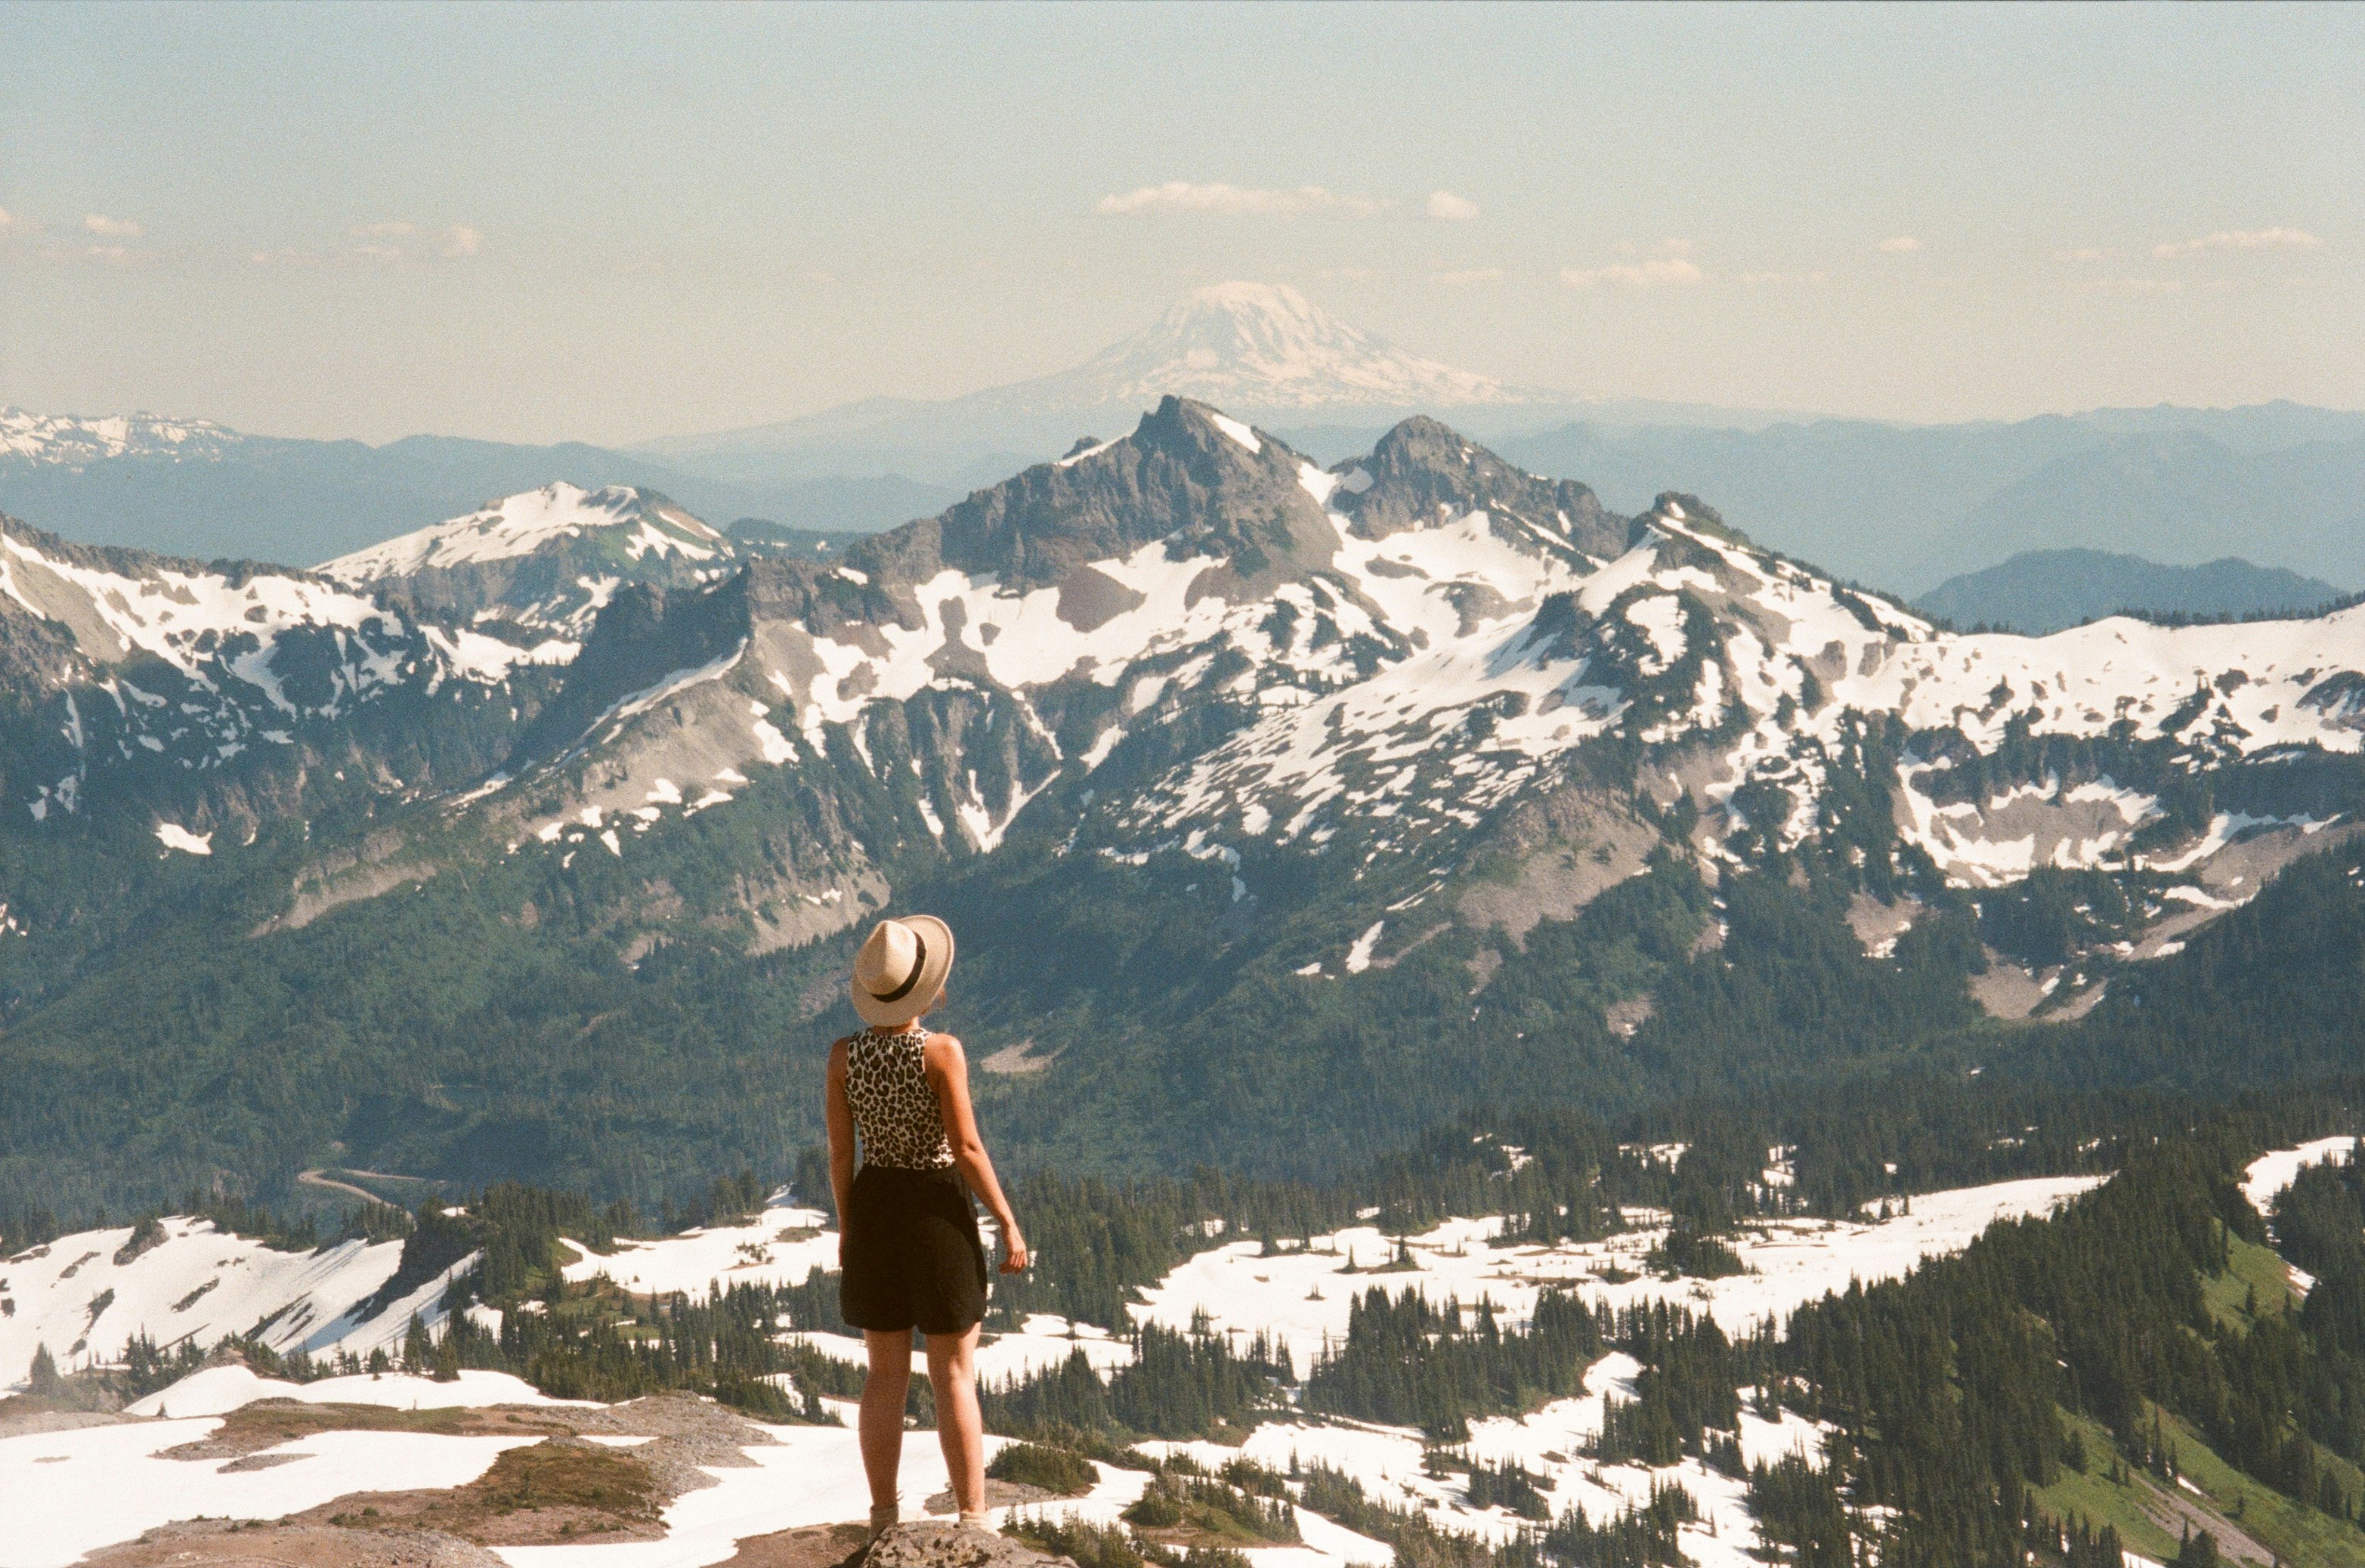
(913, 1258)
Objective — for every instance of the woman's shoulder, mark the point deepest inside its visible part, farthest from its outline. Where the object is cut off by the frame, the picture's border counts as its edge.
(944, 1048)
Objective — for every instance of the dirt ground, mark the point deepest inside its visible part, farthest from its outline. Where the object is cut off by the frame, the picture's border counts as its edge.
(215, 1544)
(815, 1546)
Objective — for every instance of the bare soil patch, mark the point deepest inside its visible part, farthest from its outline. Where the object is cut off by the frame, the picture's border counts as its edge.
(814, 1546)
(560, 1490)
(268, 1423)
(214, 1543)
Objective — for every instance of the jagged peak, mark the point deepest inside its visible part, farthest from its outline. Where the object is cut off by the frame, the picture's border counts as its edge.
(1422, 472)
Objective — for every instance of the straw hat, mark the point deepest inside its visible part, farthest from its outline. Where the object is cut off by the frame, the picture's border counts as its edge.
(900, 969)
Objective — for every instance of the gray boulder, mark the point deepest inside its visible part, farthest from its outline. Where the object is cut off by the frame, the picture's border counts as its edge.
(931, 1543)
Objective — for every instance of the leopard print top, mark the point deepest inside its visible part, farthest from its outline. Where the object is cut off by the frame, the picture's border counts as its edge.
(895, 1107)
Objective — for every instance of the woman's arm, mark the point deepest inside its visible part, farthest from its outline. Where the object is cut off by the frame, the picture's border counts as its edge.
(840, 1117)
(948, 1075)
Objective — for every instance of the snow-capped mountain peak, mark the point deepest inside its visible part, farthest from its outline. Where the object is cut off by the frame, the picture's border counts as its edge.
(71, 441)
(524, 523)
(1260, 350)
(544, 560)
(1263, 346)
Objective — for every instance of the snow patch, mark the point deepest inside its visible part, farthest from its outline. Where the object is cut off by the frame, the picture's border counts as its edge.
(174, 836)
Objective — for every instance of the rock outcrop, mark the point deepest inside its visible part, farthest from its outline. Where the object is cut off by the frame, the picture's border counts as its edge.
(932, 1543)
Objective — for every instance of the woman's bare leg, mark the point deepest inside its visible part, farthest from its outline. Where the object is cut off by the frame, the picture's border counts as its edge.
(952, 1378)
(883, 1392)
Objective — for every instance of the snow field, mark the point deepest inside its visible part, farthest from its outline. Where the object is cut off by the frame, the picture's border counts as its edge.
(166, 614)
(774, 1250)
(197, 1286)
(1301, 1299)
(2271, 1173)
(70, 439)
(111, 1474)
(519, 524)
(217, 1391)
(64, 1494)
(1045, 1343)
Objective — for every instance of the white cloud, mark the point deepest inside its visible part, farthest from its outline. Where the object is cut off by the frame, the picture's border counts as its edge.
(1643, 274)
(398, 243)
(113, 227)
(2083, 254)
(1899, 245)
(1473, 274)
(2243, 240)
(10, 222)
(1447, 207)
(1235, 201)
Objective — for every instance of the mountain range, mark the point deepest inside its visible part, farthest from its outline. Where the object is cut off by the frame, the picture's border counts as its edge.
(196, 490)
(1283, 807)
(1903, 508)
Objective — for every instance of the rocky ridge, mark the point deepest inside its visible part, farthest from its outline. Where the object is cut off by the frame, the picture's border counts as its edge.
(1394, 650)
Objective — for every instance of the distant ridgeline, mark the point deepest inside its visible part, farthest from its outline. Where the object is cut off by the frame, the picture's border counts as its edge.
(1285, 811)
(2047, 590)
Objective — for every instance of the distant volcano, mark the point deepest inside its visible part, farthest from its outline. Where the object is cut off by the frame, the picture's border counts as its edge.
(1262, 349)
(1257, 347)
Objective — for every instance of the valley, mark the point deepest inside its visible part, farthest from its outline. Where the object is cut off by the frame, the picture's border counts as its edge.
(1413, 759)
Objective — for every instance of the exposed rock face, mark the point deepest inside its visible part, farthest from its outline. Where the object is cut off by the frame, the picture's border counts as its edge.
(1423, 470)
(1182, 475)
(928, 1544)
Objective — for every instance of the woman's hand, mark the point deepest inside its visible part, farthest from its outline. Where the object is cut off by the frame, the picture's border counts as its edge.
(1014, 1255)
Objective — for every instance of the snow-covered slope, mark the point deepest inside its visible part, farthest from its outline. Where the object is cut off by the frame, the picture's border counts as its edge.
(545, 559)
(138, 663)
(1408, 645)
(521, 524)
(85, 1297)
(72, 440)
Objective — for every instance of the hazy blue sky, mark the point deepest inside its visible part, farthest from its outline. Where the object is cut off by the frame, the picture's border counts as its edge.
(613, 223)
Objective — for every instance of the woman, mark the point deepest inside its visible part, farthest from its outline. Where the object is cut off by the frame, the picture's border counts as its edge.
(909, 1253)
